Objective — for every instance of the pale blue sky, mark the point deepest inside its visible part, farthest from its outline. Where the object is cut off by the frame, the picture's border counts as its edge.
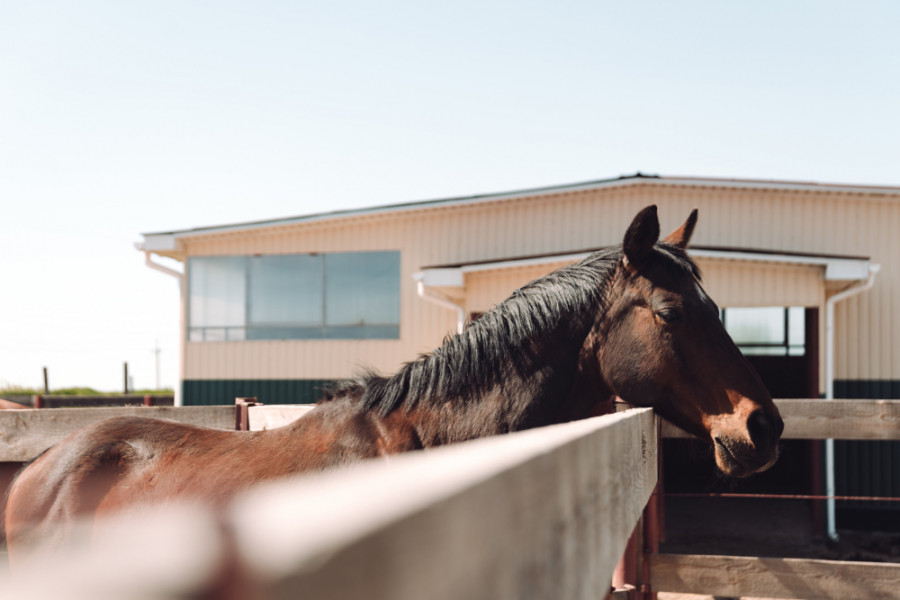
(118, 118)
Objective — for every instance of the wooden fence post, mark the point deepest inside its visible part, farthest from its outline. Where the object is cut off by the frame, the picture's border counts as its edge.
(242, 412)
(653, 521)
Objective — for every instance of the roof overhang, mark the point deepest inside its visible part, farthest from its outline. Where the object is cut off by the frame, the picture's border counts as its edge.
(160, 243)
(834, 268)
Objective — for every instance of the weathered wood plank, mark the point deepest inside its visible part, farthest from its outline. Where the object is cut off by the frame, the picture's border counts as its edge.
(276, 415)
(773, 577)
(841, 419)
(537, 514)
(837, 419)
(26, 433)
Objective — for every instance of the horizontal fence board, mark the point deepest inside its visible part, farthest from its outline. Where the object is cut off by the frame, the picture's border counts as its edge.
(84, 401)
(809, 579)
(836, 419)
(26, 433)
(269, 417)
(544, 513)
(540, 513)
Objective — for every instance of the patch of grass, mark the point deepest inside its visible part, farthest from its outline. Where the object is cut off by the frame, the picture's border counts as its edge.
(18, 390)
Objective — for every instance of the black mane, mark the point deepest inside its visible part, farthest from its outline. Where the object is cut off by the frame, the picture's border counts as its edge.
(504, 341)
(503, 346)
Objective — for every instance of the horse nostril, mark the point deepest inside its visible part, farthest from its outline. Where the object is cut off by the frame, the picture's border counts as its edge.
(763, 429)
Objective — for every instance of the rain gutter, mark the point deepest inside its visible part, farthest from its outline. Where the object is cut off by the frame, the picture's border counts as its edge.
(435, 297)
(829, 389)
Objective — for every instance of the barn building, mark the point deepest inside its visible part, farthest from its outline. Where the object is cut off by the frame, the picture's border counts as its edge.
(805, 275)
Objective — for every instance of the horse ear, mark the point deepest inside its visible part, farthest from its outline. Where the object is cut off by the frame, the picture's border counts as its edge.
(682, 236)
(642, 234)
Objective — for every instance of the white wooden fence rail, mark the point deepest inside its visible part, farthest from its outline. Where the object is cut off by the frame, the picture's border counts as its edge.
(26, 433)
(543, 513)
(538, 514)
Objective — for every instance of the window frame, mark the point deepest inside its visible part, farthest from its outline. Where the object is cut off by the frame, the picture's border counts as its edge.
(250, 331)
(784, 347)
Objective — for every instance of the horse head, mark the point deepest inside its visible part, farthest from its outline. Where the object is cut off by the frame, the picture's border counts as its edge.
(665, 347)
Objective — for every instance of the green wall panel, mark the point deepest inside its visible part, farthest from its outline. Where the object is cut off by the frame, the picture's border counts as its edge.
(195, 392)
(867, 468)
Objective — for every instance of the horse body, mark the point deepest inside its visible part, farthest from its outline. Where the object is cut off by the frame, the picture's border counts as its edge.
(632, 322)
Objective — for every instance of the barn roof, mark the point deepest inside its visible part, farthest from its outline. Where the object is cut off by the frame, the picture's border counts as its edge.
(165, 240)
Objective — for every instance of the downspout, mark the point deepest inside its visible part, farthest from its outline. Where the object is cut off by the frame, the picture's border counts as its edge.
(829, 389)
(162, 269)
(180, 276)
(441, 300)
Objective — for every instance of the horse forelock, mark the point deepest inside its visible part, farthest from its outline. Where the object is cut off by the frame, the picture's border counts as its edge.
(500, 347)
(680, 259)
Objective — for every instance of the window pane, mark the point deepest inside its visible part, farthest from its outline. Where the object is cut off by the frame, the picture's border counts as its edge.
(756, 325)
(286, 290)
(216, 286)
(797, 326)
(285, 297)
(362, 290)
(764, 350)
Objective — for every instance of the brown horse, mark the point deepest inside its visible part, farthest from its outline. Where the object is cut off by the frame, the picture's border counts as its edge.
(631, 321)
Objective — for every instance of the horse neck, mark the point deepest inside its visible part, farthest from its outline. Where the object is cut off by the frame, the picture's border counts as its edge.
(537, 382)
(590, 395)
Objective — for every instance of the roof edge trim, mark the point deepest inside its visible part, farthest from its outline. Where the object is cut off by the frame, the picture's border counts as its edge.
(834, 268)
(625, 180)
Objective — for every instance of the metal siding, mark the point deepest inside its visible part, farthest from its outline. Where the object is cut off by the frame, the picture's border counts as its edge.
(777, 220)
(737, 283)
(486, 289)
(729, 283)
(867, 468)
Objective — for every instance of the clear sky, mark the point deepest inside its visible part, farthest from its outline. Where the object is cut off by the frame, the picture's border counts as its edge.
(119, 118)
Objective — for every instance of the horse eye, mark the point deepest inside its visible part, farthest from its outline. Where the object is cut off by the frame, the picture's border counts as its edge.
(670, 315)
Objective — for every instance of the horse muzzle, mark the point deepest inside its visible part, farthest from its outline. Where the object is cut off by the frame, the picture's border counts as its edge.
(753, 450)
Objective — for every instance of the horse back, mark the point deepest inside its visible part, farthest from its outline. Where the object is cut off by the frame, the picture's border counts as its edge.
(126, 462)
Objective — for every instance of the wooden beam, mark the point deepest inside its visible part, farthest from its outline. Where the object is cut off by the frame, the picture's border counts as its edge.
(773, 577)
(544, 513)
(26, 433)
(277, 415)
(837, 419)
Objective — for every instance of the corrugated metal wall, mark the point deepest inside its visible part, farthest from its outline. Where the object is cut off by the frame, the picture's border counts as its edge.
(486, 289)
(734, 283)
(774, 220)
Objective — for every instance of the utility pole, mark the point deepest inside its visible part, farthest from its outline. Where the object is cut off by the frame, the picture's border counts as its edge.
(46, 382)
(156, 351)
(126, 378)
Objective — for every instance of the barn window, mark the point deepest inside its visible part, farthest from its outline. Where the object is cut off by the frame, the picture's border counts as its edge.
(771, 331)
(347, 295)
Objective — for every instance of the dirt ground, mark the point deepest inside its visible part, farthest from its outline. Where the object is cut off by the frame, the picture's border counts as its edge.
(751, 528)
(779, 528)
